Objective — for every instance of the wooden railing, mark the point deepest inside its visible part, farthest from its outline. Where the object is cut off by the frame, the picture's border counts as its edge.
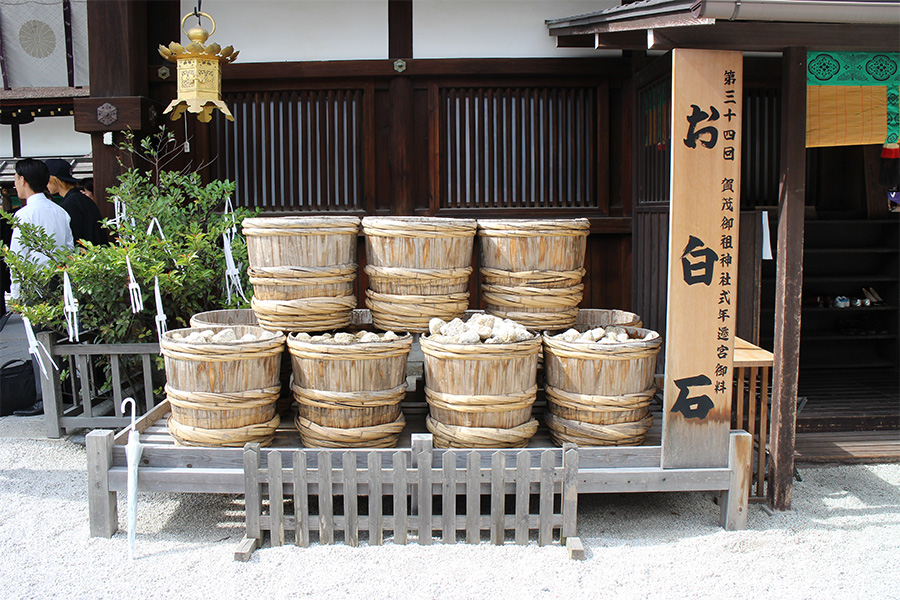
(86, 406)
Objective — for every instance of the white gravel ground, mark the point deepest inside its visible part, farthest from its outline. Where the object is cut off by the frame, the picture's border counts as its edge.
(840, 541)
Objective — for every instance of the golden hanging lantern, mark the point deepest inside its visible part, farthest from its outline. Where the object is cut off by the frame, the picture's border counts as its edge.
(199, 72)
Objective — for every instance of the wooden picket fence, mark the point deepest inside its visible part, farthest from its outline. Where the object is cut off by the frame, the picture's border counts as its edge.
(479, 490)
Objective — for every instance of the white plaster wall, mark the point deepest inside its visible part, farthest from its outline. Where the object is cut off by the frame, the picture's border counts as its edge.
(495, 28)
(53, 137)
(294, 30)
(5, 141)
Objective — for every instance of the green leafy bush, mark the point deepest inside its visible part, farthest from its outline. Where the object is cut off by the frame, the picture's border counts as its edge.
(189, 262)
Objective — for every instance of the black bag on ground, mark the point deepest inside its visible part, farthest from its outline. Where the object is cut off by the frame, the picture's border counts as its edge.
(17, 386)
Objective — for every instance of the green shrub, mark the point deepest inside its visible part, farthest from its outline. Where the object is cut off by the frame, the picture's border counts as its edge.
(189, 263)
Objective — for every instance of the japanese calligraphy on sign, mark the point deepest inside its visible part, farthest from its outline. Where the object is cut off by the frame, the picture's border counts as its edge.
(703, 241)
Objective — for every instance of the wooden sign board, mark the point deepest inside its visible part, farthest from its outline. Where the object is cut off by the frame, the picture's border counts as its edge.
(703, 242)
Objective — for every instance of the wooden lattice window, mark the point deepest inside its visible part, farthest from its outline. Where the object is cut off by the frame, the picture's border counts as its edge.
(654, 140)
(300, 150)
(525, 147)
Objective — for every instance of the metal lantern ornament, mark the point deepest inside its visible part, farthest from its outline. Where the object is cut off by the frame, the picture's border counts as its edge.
(199, 72)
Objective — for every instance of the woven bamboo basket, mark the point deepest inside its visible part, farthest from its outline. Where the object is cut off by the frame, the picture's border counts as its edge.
(533, 245)
(224, 318)
(489, 388)
(412, 312)
(602, 369)
(599, 410)
(532, 278)
(419, 242)
(350, 386)
(313, 435)
(599, 394)
(291, 283)
(301, 241)
(410, 282)
(589, 434)
(535, 308)
(454, 436)
(589, 318)
(304, 314)
(303, 271)
(223, 394)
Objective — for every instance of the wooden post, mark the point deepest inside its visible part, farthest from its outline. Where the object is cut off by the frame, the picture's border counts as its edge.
(498, 475)
(51, 391)
(569, 492)
(789, 278)
(104, 517)
(736, 499)
(704, 221)
(301, 499)
(252, 492)
(275, 477)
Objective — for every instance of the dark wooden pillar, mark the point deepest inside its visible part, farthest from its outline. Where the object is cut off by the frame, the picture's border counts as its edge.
(118, 71)
(789, 278)
(400, 46)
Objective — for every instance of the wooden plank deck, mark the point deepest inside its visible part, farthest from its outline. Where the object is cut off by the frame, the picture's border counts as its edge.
(848, 447)
(849, 400)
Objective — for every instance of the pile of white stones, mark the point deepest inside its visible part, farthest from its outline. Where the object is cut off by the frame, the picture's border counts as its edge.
(208, 336)
(607, 335)
(343, 338)
(480, 328)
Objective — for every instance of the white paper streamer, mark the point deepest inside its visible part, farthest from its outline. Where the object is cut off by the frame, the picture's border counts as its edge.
(35, 348)
(70, 308)
(766, 239)
(160, 314)
(232, 275)
(155, 221)
(134, 290)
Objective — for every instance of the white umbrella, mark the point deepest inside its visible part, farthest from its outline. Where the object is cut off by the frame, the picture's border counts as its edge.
(133, 451)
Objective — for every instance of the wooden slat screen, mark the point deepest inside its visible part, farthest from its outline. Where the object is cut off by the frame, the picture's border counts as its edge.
(297, 151)
(761, 156)
(523, 147)
(653, 143)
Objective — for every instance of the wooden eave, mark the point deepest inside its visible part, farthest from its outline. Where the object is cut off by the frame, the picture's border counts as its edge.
(677, 31)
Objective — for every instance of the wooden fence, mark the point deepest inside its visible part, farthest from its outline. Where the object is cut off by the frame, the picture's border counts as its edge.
(87, 406)
(414, 478)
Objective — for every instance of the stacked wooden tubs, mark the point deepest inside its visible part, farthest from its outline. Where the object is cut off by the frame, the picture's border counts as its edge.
(349, 395)
(223, 393)
(418, 268)
(224, 318)
(303, 271)
(532, 270)
(598, 394)
(480, 396)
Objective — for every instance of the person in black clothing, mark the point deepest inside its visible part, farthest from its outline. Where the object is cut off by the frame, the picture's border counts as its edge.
(84, 215)
(5, 238)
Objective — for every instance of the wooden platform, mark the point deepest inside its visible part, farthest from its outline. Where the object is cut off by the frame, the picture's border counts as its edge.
(167, 467)
(848, 447)
(849, 400)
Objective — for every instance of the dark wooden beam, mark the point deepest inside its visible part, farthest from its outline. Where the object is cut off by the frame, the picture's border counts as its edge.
(400, 29)
(756, 36)
(452, 67)
(788, 279)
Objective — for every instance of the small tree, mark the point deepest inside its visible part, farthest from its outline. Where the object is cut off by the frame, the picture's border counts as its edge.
(189, 262)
